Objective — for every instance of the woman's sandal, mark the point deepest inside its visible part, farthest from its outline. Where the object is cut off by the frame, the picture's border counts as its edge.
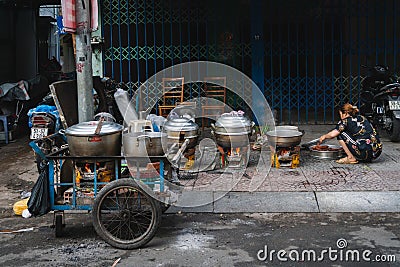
(346, 161)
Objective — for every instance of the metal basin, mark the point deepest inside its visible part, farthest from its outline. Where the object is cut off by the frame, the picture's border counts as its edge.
(332, 152)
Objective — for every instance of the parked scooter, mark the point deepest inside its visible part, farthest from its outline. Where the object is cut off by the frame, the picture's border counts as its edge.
(44, 121)
(380, 97)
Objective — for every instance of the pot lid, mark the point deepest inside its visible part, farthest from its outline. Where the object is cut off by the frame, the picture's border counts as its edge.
(180, 125)
(88, 128)
(233, 121)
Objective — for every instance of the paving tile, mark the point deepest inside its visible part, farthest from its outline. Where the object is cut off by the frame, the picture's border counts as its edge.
(313, 174)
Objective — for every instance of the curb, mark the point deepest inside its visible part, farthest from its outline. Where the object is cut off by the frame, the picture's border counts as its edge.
(273, 202)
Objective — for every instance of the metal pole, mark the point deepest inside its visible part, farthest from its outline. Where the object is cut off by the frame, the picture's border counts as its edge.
(84, 70)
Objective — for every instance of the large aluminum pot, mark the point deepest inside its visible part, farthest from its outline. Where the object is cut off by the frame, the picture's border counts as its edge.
(143, 144)
(286, 127)
(83, 141)
(232, 131)
(180, 129)
(284, 138)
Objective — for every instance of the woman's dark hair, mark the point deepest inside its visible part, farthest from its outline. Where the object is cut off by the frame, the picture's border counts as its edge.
(350, 109)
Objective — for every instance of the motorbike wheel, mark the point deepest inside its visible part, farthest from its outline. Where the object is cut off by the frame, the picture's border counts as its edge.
(394, 131)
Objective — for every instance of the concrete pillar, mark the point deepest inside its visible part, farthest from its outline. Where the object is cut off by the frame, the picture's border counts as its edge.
(84, 71)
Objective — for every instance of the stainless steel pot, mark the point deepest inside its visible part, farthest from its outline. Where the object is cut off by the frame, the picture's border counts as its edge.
(83, 141)
(284, 138)
(143, 144)
(232, 131)
(233, 125)
(180, 129)
(232, 140)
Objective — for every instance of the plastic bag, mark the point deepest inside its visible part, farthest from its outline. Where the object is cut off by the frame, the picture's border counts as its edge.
(39, 202)
(125, 106)
(20, 205)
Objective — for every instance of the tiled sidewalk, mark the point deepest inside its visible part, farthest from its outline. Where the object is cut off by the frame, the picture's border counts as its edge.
(318, 175)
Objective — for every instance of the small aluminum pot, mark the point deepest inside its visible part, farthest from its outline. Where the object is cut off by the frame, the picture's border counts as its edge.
(232, 140)
(180, 129)
(83, 141)
(232, 131)
(233, 125)
(143, 144)
(284, 138)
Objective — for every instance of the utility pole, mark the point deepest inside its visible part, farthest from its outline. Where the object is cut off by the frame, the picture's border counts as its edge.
(84, 72)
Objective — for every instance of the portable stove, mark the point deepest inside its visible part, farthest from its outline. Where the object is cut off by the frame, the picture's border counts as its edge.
(285, 157)
(233, 158)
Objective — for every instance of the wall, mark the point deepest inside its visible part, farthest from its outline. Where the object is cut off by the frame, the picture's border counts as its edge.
(26, 55)
(7, 45)
(17, 44)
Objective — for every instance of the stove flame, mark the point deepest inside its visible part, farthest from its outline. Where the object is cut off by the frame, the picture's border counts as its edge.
(234, 151)
(87, 168)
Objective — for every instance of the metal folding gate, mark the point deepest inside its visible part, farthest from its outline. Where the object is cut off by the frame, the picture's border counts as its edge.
(311, 51)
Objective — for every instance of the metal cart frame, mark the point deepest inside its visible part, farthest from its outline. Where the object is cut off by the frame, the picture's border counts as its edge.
(122, 198)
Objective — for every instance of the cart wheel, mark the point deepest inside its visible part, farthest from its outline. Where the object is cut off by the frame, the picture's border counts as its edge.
(124, 215)
(59, 225)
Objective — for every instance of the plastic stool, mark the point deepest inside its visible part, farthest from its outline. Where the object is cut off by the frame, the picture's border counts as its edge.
(3, 118)
(140, 126)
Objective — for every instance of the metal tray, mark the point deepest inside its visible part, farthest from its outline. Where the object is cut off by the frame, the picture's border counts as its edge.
(327, 154)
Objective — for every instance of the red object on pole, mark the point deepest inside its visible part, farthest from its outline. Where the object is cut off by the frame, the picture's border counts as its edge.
(69, 15)
(94, 15)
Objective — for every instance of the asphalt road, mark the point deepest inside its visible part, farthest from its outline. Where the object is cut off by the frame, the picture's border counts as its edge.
(337, 239)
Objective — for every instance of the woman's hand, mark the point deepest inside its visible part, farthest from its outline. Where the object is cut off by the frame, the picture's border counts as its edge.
(322, 139)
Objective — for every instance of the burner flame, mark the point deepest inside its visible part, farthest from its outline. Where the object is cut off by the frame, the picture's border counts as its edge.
(234, 151)
(87, 168)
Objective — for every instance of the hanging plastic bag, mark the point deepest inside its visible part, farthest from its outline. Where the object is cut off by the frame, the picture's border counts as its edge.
(125, 106)
(39, 202)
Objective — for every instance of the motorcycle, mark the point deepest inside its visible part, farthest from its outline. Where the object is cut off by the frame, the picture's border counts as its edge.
(380, 100)
(44, 121)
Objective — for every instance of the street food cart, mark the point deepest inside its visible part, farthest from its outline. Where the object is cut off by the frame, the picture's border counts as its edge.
(125, 211)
